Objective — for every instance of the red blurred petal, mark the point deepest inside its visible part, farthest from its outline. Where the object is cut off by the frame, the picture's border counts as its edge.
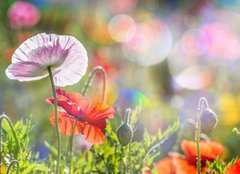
(209, 151)
(234, 169)
(165, 166)
(183, 167)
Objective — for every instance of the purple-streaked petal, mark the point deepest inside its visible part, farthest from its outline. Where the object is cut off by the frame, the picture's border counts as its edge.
(35, 42)
(26, 71)
(75, 65)
(66, 56)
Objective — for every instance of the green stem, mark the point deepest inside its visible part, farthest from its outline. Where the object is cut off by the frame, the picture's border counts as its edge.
(95, 70)
(198, 131)
(10, 166)
(128, 113)
(129, 158)
(13, 132)
(56, 119)
(123, 162)
(203, 104)
(87, 85)
(70, 146)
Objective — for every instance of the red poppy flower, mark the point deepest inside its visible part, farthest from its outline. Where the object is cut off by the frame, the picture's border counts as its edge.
(165, 166)
(91, 119)
(234, 169)
(179, 164)
(209, 151)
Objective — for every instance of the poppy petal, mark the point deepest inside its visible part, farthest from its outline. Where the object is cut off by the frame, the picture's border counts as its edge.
(26, 71)
(77, 98)
(63, 101)
(100, 111)
(93, 134)
(66, 123)
(182, 166)
(209, 151)
(165, 166)
(234, 169)
(64, 54)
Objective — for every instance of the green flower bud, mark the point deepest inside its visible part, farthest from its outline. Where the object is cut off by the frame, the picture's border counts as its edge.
(125, 134)
(208, 121)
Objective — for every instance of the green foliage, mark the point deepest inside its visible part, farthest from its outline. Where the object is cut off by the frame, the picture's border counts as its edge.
(218, 166)
(22, 153)
(110, 157)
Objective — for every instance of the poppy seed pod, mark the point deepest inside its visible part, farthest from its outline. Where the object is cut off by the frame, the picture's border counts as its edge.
(208, 121)
(125, 134)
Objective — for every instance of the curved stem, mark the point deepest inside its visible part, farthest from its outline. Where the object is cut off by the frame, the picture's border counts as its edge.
(93, 72)
(10, 166)
(56, 119)
(202, 104)
(87, 85)
(128, 112)
(12, 129)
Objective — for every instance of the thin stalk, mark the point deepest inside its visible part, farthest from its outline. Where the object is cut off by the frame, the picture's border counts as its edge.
(198, 131)
(123, 163)
(70, 146)
(56, 119)
(95, 70)
(128, 113)
(203, 104)
(10, 166)
(129, 159)
(13, 132)
(87, 85)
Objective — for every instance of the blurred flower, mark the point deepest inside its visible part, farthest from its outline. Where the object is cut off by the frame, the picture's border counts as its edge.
(91, 119)
(235, 168)
(23, 15)
(64, 54)
(222, 41)
(3, 168)
(122, 6)
(146, 170)
(148, 43)
(82, 144)
(42, 152)
(229, 109)
(131, 98)
(122, 27)
(177, 163)
(209, 151)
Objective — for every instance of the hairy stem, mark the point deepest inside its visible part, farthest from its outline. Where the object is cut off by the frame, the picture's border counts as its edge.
(70, 146)
(128, 113)
(10, 166)
(56, 119)
(13, 132)
(203, 104)
(93, 72)
(87, 85)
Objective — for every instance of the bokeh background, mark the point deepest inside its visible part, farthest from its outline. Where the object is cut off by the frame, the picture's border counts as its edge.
(160, 54)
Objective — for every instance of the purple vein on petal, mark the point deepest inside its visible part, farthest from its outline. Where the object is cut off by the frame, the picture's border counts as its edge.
(26, 71)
